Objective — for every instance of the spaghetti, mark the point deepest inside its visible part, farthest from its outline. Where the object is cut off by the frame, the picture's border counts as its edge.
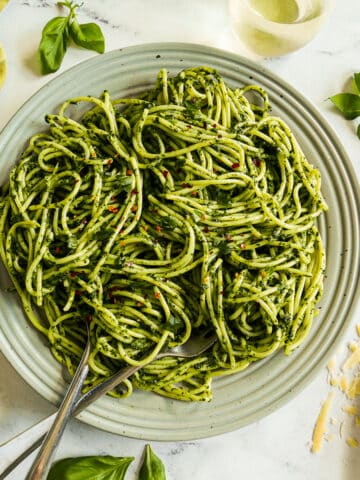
(190, 207)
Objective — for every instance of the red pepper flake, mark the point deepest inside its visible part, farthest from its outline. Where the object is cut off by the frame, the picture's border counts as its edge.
(221, 292)
(165, 173)
(110, 161)
(134, 191)
(157, 295)
(113, 209)
(129, 172)
(139, 304)
(78, 293)
(73, 274)
(158, 228)
(242, 246)
(206, 230)
(88, 318)
(134, 208)
(215, 125)
(186, 185)
(256, 162)
(235, 165)
(57, 250)
(189, 126)
(194, 194)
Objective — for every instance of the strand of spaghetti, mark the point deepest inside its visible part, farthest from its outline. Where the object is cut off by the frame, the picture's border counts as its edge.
(188, 208)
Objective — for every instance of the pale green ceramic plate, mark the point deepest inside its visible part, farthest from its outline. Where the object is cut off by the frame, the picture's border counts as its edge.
(252, 394)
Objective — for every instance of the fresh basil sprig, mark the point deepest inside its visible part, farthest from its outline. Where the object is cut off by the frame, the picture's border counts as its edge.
(107, 468)
(152, 467)
(90, 468)
(57, 33)
(349, 103)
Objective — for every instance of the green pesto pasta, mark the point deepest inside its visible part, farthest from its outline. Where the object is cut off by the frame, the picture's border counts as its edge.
(188, 208)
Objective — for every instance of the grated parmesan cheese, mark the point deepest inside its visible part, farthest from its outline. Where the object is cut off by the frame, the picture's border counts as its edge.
(352, 442)
(350, 409)
(320, 424)
(354, 358)
(348, 382)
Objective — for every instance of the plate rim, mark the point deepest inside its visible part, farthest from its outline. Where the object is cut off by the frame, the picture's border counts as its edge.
(90, 416)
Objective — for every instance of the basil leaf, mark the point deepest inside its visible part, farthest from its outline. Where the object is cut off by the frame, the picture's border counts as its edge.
(348, 104)
(356, 81)
(90, 468)
(53, 44)
(88, 35)
(152, 467)
(358, 131)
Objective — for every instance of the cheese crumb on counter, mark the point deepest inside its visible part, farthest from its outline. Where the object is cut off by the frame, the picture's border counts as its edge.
(346, 380)
(352, 442)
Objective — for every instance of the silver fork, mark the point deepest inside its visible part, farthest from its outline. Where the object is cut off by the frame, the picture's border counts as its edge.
(41, 464)
(29, 440)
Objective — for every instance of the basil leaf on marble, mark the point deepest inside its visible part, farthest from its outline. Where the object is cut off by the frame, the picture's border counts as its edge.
(152, 467)
(348, 104)
(356, 81)
(90, 468)
(56, 35)
(358, 131)
(88, 35)
(53, 44)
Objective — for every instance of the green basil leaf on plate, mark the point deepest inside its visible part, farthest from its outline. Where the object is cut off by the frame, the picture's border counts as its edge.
(53, 44)
(88, 35)
(152, 467)
(90, 468)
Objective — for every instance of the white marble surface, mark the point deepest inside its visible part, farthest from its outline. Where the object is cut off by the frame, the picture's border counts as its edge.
(276, 447)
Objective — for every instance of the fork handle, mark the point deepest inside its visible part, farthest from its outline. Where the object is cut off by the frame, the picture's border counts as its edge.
(41, 465)
(25, 442)
(18, 448)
